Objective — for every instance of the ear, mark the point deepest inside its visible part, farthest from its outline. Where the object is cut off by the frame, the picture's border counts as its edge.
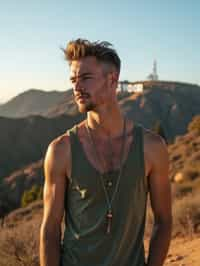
(113, 78)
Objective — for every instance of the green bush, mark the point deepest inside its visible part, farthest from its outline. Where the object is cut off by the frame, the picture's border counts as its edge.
(35, 193)
(194, 124)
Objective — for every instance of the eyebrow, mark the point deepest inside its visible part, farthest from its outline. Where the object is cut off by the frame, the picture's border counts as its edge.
(81, 75)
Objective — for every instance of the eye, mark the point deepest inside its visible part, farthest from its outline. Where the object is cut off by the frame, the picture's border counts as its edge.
(84, 78)
(72, 80)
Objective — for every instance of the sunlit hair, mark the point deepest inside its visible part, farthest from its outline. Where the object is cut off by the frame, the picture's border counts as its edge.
(103, 52)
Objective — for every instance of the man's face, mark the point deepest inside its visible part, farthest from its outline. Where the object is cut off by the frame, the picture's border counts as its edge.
(90, 83)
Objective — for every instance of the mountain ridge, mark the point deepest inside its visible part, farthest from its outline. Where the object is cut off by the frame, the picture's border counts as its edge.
(31, 102)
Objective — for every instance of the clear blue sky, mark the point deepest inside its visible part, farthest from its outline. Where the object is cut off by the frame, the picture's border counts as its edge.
(32, 32)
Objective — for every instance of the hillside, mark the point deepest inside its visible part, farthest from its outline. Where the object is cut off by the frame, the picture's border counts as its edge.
(173, 104)
(184, 158)
(32, 102)
(14, 185)
(24, 140)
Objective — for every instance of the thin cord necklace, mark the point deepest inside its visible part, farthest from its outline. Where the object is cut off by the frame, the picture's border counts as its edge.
(109, 202)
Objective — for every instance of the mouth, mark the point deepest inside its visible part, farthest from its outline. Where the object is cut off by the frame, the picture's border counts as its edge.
(81, 98)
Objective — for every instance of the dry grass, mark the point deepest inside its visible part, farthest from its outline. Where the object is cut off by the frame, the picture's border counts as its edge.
(186, 215)
(185, 156)
(19, 238)
(19, 247)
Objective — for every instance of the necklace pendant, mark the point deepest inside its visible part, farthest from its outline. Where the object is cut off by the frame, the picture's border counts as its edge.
(109, 217)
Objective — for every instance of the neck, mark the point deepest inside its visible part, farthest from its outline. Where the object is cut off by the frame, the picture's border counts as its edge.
(107, 121)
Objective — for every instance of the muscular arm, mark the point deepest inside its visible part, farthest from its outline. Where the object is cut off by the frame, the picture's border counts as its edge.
(160, 196)
(55, 168)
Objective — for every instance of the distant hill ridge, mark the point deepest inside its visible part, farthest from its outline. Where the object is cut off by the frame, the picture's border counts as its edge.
(31, 102)
(164, 82)
(54, 103)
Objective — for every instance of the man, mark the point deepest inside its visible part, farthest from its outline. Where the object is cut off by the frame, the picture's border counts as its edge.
(100, 172)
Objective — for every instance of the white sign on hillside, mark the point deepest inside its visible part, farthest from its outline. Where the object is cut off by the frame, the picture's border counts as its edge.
(135, 88)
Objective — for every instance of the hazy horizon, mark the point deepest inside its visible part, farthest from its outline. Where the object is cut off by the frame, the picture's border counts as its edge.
(23, 91)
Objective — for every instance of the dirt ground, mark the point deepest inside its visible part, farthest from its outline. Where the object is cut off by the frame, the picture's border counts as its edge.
(183, 252)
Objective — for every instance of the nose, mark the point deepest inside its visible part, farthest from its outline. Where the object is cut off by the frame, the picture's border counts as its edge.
(77, 86)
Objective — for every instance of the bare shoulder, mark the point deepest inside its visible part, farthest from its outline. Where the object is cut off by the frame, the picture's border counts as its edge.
(60, 144)
(154, 143)
(155, 150)
(158, 176)
(56, 169)
(58, 155)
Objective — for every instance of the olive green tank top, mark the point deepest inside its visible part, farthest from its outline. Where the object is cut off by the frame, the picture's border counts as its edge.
(85, 241)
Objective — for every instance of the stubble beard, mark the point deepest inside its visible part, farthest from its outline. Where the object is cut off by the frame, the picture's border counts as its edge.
(84, 108)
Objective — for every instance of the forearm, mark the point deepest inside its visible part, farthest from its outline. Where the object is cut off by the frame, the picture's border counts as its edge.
(159, 244)
(49, 248)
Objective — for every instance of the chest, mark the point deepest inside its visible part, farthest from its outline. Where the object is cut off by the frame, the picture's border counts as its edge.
(106, 154)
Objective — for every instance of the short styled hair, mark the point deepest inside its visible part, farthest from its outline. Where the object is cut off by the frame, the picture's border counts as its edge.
(103, 51)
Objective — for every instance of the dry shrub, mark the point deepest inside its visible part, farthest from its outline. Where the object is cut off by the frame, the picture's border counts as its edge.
(191, 169)
(186, 187)
(191, 173)
(21, 215)
(185, 211)
(19, 247)
(186, 215)
(183, 189)
(195, 124)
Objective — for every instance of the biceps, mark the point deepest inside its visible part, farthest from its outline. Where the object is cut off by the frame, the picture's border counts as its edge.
(160, 194)
(54, 196)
